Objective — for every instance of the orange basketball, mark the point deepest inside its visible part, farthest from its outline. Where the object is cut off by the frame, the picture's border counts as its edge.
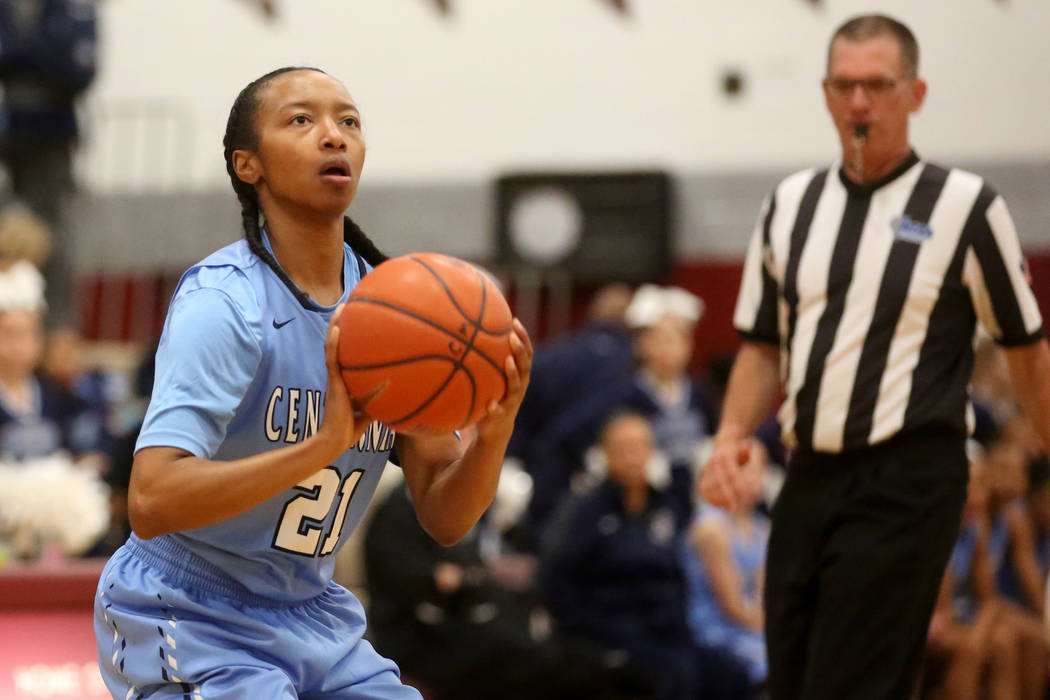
(436, 329)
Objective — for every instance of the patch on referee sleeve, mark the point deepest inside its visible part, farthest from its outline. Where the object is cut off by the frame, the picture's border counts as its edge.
(907, 229)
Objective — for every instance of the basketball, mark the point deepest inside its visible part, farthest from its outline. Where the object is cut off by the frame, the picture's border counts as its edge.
(436, 330)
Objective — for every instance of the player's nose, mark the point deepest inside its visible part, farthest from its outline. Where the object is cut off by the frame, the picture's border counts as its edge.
(332, 137)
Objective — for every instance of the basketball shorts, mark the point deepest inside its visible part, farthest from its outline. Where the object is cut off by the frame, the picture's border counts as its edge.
(166, 631)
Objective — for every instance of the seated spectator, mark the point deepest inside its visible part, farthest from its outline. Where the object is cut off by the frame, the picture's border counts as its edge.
(610, 572)
(660, 388)
(23, 237)
(564, 373)
(99, 390)
(1013, 554)
(447, 617)
(724, 559)
(971, 651)
(1022, 576)
(44, 499)
(36, 419)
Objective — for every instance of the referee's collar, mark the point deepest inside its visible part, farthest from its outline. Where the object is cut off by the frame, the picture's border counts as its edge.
(867, 188)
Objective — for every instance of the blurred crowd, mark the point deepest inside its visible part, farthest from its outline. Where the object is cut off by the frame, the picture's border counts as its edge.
(601, 574)
(597, 572)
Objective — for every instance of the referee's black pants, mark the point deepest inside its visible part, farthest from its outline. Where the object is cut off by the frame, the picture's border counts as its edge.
(858, 546)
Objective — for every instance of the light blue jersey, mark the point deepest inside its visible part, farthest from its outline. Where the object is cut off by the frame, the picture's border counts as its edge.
(241, 370)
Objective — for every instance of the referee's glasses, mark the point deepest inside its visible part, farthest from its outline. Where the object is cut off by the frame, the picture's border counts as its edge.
(873, 88)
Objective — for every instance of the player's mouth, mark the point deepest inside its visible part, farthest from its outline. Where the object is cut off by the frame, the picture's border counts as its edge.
(336, 171)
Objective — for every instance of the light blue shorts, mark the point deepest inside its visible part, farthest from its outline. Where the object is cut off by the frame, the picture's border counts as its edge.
(168, 630)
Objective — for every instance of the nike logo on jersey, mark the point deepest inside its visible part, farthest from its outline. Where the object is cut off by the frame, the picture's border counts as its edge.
(285, 323)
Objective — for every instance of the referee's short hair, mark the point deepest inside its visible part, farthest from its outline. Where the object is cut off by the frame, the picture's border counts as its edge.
(864, 27)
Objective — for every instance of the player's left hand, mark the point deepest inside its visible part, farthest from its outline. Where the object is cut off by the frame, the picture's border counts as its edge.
(498, 422)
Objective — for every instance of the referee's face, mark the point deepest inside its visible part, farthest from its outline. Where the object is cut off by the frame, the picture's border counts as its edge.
(867, 84)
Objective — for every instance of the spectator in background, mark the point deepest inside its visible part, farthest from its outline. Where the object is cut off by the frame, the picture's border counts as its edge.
(970, 649)
(564, 374)
(97, 390)
(47, 60)
(1017, 572)
(1007, 459)
(36, 419)
(456, 628)
(663, 320)
(724, 559)
(610, 572)
(44, 498)
(1036, 531)
(24, 236)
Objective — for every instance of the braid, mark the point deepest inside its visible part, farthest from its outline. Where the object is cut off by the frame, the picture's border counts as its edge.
(253, 234)
(361, 244)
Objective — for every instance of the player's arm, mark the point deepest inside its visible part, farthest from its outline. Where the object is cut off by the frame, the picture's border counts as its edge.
(753, 386)
(451, 487)
(172, 490)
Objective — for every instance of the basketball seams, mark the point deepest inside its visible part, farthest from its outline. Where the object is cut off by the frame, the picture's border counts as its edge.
(393, 297)
(403, 361)
(477, 323)
(437, 392)
(429, 322)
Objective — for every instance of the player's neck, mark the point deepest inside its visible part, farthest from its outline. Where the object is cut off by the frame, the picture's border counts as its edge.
(311, 253)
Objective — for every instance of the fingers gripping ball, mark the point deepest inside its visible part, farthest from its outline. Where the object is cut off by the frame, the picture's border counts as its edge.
(435, 330)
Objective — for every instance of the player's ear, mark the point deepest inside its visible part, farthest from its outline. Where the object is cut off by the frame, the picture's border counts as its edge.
(246, 165)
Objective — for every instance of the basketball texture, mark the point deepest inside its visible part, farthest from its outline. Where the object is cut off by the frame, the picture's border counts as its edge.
(436, 330)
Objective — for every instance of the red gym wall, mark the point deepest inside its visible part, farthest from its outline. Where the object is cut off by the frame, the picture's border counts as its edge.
(132, 307)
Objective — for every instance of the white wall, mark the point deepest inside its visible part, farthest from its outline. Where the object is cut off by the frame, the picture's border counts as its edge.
(505, 84)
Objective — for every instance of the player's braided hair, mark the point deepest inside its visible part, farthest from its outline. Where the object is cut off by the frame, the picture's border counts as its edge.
(240, 134)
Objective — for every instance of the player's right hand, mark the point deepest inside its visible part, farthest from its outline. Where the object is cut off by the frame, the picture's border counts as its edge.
(721, 481)
(344, 422)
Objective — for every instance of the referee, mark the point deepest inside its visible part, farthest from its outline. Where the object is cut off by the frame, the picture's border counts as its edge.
(862, 289)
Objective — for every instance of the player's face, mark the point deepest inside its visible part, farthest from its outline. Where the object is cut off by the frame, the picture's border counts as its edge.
(867, 84)
(21, 341)
(311, 145)
(628, 447)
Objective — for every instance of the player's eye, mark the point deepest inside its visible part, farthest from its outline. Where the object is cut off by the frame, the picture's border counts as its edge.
(300, 119)
(353, 122)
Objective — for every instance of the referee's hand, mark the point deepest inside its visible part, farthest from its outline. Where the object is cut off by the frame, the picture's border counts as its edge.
(721, 481)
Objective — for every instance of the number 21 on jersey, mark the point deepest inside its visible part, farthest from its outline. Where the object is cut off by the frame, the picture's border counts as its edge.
(302, 521)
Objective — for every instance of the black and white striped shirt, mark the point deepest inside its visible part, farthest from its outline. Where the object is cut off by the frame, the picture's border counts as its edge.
(873, 293)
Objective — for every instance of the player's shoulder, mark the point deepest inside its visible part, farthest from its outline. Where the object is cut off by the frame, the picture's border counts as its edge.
(229, 275)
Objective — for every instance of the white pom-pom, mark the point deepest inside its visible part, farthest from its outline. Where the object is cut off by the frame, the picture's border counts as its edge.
(55, 501)
(21, 287)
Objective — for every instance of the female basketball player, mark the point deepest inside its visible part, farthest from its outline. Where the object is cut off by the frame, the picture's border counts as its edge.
(242, 491)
